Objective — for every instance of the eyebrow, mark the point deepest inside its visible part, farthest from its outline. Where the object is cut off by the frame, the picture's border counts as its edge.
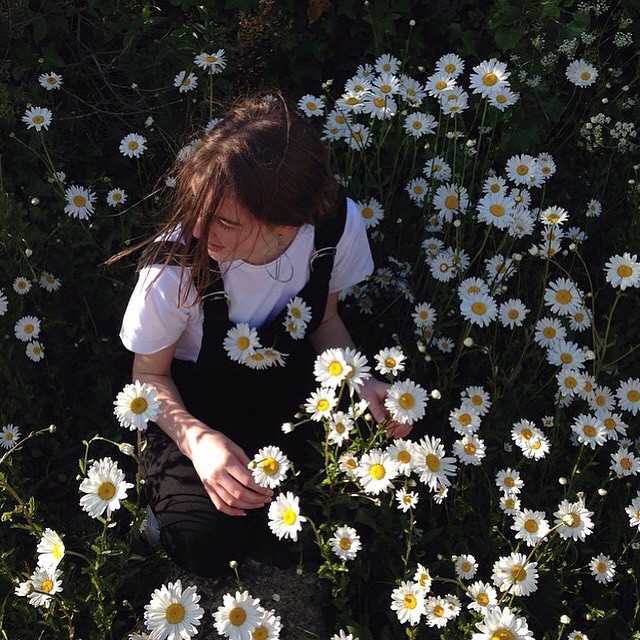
(233, 223)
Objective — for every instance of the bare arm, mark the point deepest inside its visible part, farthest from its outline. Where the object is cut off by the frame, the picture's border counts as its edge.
(333, 334)
(220, 464)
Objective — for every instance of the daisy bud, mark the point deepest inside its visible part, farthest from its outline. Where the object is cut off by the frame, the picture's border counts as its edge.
(602, 492)
(572, 246)
(126, 448)
(298, 571)
(562, 480)
(35, 201)
(564, 619)
(625, 88)
(468, 342)
(287, 427)
(52, 428)
(435, 394)
(276, 597)
(412, 23)
(533, 251)
(605, 100)
(456, 223)
(233, 563)
(28, 253)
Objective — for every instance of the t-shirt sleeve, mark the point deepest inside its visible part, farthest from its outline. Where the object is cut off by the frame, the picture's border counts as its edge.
(353, 261)
(154, 318)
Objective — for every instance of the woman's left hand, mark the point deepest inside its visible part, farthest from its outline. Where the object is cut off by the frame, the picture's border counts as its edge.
(374, 391)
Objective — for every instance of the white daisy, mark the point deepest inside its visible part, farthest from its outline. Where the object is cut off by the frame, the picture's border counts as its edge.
(418, 188)
(501, 622)
(348, 464)
(387, 63)
(633, 511)
(241, 341)
(269, 467)
(574, 520)
(320, 404)
(628, 394)
(594, 208)
(34, 351)
(4, 303)
(9, 436)
(563, 297)
(330, 368)
(437, 611)
(613, 423)
(589, 430)
(470, 450)
(371, 211)
(136, 405)
(548, 330)
(553, 216)
(419, 124)
(115, 197)
(450, 199)
(238, 616)
(581, 73)
(268, 627)
(423, 578)
(509, 481)
(184, 81)
(503, 98)
(466, 566)
(488, 77)
(79, 202)
(27, 328)
(479, 309)
(406, 401)
(483, 596)
(424, 315)
(359, 137)
(408, 603)
(624, 463)
(495, 209)
(603, 568)
(406, 499)
(512, 313)
(431, 464)
(520, 168)
(172, 613)
(564, 353)
(478, 399)
(451, 64)
(345, 542)
(376, 471)
(50, 81)
(37, 118)
(215, 62)
(390, 361)
(285, 520)
(437, 168)
(50, 550)
(623, 271)
(311, 105)
(401, 451)
(510, 503)
(530, 526)
(568, 380)
(133, 145)
(42, 585)
(515, 575)
(103, 487)
(49, 282)
(380, 106)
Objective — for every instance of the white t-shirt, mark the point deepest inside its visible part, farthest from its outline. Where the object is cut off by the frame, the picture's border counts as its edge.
(155, 318)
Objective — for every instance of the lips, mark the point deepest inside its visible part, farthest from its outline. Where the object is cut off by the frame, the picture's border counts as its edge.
(215, 248)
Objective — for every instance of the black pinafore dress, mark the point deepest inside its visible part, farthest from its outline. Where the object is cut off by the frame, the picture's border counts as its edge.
(247, 405)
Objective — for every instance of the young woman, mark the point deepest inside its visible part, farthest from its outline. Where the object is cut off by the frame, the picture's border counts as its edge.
(257, 220)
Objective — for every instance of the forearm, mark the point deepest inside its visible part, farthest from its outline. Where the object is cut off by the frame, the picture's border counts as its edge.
(173, 418)
(331, 334)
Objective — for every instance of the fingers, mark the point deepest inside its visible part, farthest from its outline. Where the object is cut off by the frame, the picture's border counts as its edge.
(397, 430)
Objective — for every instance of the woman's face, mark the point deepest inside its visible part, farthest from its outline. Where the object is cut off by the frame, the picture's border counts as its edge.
(235, 234)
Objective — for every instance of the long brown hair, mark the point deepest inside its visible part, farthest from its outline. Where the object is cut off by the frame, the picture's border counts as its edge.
(263, 154)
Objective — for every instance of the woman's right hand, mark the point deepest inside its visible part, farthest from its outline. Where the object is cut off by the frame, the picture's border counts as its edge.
(222, 467)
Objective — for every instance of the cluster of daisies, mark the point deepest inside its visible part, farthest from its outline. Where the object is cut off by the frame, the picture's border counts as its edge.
(174, 614)
(27, 328)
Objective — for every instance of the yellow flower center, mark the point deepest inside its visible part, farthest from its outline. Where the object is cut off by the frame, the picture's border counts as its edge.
(469, 448)
(482, 599)
(522, 169)
(531, 525)
(518, 574)
(106, 491)
(56, 551)
(600, 400)
(409, 601)
(451, 201)
(350, 463)
(553, 217)
(376, 471)
(489, 79)
(609, 423)
(465, 566)
(210, 58)
(311, 106)
(385, 88)
(566, 358)
(441, 84)
(117, 196)
(416, 124)
(243, 342)
(340, 428)
(28, 328)
(633, 395)
(418, 190)
(340, 119)
(450, 68)
(174, 613)
(186, 82)
(51, 80)
(526, 433)
(79, 201)
(624, 271)
(502, 634)
(509, 481)
(549, 333)
(509, 503)
(494, 188)
(501, 98)
(563, 296)
(38, 119)
(497, 210)
(404, 456)
(260, 633)
(513, 314)
(536, 444)
(289, 516)
(367, 212)
(464, 419)
(8, 436)
(438, 611)
(323, 404)
(570, 382)
(46, 585)
(345, 544)
(270, 466)
(357, 136)
(390, 362)
(379, 102)
(138, 405)
(351, 101)
(237, 616)
(578, 317)
(585, 75)
(335, 368)
(571, 519)
(133, 144)
(625, 463)
(479, 308)
(432, 461)
(406, 401)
